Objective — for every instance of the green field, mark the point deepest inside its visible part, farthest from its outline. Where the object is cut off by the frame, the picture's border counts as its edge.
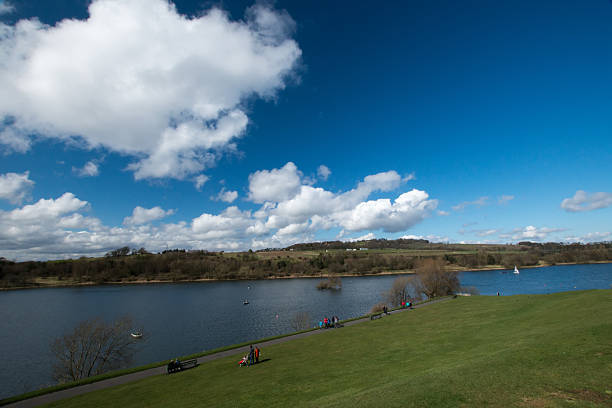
(531, 351)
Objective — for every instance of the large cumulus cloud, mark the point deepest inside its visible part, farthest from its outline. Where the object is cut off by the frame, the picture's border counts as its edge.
(62, 227)
(137, 77)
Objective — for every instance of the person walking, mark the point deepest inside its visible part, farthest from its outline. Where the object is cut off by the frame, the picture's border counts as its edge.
(257, 354)
(251, 355)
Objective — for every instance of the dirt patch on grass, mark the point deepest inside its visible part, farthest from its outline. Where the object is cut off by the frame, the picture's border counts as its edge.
(536, 403)
(595, 397)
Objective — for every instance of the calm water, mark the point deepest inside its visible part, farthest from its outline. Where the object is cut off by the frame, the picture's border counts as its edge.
(180, 319)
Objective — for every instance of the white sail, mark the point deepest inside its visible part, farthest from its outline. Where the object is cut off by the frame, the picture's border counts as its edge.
(516, 270)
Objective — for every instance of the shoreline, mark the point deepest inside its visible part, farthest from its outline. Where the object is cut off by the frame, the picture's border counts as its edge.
(320, 276)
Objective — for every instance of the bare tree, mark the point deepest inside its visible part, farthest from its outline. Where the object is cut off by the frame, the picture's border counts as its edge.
(333, 282)
(403, 288)
(301, 321)
(92, 348)
(435, 280)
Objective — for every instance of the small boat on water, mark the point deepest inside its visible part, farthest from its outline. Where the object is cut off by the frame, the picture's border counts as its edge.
(516, 271)
(245, 302)
(136, 335)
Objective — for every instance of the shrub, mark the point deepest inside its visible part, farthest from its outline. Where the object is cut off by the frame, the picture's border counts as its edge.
(377, 308)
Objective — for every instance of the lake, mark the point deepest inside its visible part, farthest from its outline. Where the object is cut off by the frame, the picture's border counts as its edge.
(185, 318)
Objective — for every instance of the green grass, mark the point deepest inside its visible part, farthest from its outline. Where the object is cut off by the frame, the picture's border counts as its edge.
(545, 350)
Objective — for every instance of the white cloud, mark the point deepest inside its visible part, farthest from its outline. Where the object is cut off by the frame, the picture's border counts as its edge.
(409, 177)
(591, 237)
(366, 237)
(315, 201)
(231, 223)
(430, 238)
(47, 209)
(505, 199)
(15, 187)
(408, 209)
(90, 169)
(582, 201)
(386, 181)
(6, 7)
(293, 229)
(530, 233)
(479, 203)
(323, 172)
(14, 140)
(200, 180)
(486, 233)
(226, 196)
(142, 215)
(443, 213)
(275, 185)
(175, 99)
(56, 228)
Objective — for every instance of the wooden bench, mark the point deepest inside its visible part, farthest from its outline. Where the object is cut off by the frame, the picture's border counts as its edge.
(183, 365)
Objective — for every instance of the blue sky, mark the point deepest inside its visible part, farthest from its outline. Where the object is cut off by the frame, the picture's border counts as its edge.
(204, 125)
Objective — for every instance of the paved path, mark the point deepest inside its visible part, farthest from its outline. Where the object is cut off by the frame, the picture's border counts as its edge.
(124, 379)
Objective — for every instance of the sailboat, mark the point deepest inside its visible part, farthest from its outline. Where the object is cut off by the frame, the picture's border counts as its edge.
(516, 271)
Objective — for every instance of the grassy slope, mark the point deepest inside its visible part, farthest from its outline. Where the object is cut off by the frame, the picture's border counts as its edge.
(547, 350)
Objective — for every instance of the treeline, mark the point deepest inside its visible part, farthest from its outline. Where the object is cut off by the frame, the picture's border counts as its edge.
(181, 265)
(125, 265)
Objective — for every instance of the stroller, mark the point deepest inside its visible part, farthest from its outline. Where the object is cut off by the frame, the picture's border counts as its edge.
(244, 362)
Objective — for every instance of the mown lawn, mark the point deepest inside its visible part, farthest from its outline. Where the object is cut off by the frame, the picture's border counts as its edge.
(526, 351)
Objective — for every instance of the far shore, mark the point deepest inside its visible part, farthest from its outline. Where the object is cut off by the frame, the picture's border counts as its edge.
(54, 283)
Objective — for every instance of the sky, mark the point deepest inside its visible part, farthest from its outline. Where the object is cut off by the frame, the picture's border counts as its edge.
(239, 125)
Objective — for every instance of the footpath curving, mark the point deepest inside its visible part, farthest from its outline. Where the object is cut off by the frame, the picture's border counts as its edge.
(139, 375)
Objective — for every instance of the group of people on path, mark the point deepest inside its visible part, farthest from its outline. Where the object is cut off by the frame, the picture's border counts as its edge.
(251, 358)
(327, 322)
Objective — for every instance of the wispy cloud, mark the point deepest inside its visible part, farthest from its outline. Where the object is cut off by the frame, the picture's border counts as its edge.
(409, 177)
(505, 199)
(90, 169)
(531, 233)
(590, 237)
(226, 196)
(199, 181)
(486, 233)
(478, 203)
(582, 201)
(6, 7)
